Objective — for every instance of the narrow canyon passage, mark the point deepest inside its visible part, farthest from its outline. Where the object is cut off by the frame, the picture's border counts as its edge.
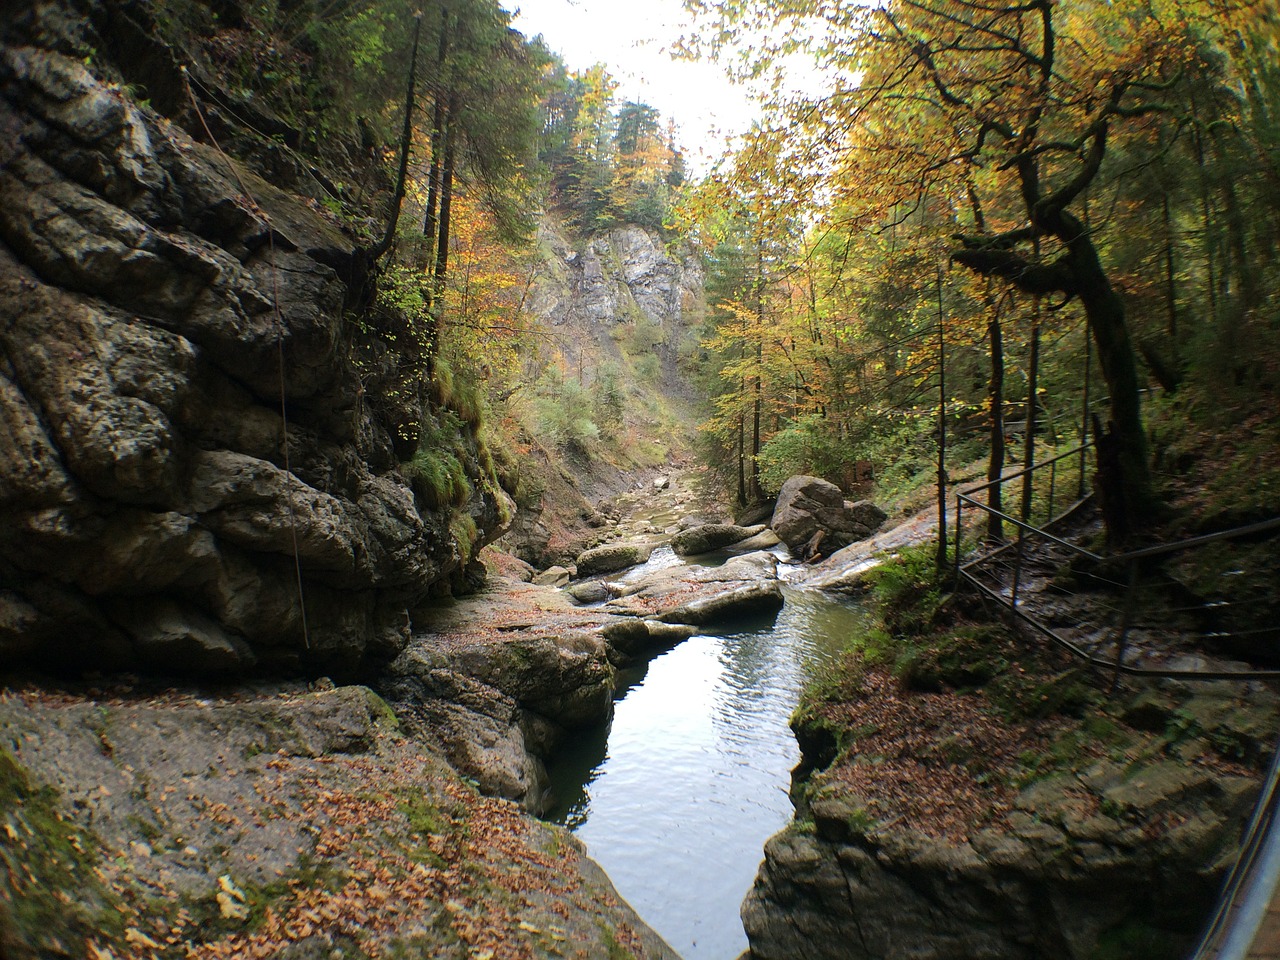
(676, 800)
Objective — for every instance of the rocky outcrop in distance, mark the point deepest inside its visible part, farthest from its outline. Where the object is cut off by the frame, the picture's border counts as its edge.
(619, 275)
(162, 310)
(813, 518)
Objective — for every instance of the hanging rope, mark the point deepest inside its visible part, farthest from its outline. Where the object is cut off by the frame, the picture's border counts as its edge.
(290, 479)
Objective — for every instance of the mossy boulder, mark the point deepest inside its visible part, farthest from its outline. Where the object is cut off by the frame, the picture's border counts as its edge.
(610, 558)
(708, 537)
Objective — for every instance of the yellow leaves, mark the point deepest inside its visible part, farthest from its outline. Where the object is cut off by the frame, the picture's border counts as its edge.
(139, 939)
(484, 323)
(231, 900)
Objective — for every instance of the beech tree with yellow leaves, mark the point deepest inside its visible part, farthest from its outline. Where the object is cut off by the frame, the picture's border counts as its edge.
(998, 122)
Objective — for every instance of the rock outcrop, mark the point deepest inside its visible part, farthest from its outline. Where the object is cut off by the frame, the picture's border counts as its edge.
(272, 823)
(499, 704)
(190, 477)
(813, 518)
(745, 586)
(711, 536)
(930, 825)
(614, 277)
(504, 676)
(1110, 854)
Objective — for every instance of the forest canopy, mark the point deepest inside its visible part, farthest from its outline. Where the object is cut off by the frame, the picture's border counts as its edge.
(975, 180)
(989, 221)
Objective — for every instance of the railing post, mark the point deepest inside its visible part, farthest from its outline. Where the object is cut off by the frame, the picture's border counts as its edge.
(1126, 621)
(1053, 479)
(959, 530)
(1017, 569)
(1084, 410)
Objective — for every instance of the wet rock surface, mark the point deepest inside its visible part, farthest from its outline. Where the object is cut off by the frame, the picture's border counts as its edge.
(610, 558)
(711, 536)
(502, 676)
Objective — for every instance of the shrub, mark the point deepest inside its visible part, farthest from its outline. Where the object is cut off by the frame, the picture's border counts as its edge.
(804, 446)
(562, 414)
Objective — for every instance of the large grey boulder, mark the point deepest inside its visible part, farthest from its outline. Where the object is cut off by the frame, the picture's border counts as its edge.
(745, 586)
(745, 601)
(711, 536)
(610, 558)
(589, 591)
(812, 517)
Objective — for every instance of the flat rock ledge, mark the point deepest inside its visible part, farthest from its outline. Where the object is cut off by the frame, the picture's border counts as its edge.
(711, 536)
(1121, 857)
(507, 674)
(273, 823)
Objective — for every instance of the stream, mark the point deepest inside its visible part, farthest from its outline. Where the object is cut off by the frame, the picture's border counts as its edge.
(677, 798)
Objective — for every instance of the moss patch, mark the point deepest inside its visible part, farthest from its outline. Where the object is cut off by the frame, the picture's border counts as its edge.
(42, 856)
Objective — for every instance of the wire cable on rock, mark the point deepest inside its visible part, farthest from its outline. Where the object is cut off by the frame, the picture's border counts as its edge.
(290, 478)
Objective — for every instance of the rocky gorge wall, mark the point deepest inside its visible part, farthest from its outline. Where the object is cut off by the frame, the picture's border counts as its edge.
(590, 296)
(1119, 852)
(621, 274)
(162, 311)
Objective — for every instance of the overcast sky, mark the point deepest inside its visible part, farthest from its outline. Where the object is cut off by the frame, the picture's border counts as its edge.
(633, 39)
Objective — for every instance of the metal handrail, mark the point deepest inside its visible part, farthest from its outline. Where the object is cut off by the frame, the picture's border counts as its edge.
(1131, 560)
(1005, 478)
(1249, 886)
(1262, 526)
(1252, 883)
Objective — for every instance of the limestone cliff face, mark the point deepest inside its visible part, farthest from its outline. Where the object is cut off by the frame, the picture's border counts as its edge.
(612, 276)
(587, 286)
(587, 293)
(156, 327)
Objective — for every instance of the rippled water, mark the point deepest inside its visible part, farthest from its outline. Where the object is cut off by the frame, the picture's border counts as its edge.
(676, 800)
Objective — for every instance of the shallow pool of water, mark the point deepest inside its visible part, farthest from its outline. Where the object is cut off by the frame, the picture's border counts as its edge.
(676, 800)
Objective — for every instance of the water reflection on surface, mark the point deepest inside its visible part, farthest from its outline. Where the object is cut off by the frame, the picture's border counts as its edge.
(676, 800)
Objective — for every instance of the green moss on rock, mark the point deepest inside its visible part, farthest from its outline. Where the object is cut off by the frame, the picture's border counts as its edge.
(41, 856)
